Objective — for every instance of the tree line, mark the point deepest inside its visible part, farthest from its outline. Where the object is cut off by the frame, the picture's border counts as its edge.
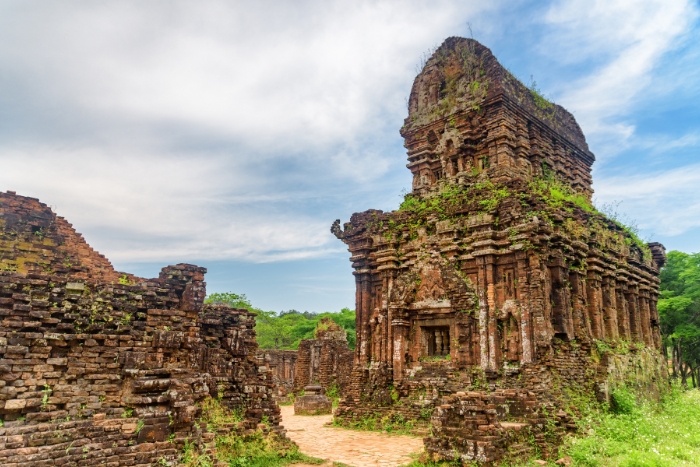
(286, 329)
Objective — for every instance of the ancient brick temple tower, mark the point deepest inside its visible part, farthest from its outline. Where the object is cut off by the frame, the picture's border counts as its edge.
(496, 271)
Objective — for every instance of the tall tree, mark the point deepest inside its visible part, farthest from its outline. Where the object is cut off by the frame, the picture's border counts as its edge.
(679, 309)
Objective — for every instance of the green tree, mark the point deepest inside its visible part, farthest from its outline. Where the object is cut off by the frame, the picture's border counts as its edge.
(231, 299)
(288, 328)
(679, 310)
(272, 332)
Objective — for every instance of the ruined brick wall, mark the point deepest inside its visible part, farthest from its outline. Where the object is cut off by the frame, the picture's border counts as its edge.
(35, 240)
(496, 271)
(326, 360)
(95, 372)
(282, 365)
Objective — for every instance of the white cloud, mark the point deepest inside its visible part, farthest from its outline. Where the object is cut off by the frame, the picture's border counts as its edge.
(215, 129)
(626, 39)
(154, 208)
(183, 130)
(274, 75)
(664, 202)
(662, 144)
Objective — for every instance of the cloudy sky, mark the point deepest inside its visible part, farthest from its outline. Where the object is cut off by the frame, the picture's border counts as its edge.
(232, 134)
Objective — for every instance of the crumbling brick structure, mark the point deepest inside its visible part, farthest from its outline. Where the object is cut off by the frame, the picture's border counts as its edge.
(282, 365)
(35, 240)
(496, 271)
(102, 368)
(326, 360)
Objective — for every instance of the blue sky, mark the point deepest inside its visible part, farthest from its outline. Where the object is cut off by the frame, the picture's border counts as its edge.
(232, 134)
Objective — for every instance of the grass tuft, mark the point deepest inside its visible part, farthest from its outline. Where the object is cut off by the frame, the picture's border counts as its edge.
(667, 434)
(236, 450)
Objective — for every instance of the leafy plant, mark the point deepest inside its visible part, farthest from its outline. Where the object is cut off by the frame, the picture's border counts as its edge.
(679, 310)
(333, 393)
(45, 398)
(234, 449)
(540, 100)
(623, 401)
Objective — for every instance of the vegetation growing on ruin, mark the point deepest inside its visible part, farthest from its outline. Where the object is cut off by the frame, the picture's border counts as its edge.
(465, 79)
(257, 449)
(540, 100)
(558, 194)
(464, 82)
(482, 196)
(285, 330)
(545, 197)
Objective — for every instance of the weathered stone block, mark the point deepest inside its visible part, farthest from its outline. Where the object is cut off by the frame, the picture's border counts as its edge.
(313, 402)
(15, 404)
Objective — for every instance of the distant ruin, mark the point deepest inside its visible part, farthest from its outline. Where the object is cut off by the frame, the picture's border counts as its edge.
(496, 290)
(99, 367)
(326, 361)
(281, 364)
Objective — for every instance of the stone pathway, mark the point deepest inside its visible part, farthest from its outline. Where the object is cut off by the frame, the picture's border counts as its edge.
(355, 448)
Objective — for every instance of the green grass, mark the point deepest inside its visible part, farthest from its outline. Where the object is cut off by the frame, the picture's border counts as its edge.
(557, 193)
(236, 450)
(391, 423)
(667, 434)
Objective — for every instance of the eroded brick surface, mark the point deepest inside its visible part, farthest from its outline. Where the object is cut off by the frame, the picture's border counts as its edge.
(282, 365)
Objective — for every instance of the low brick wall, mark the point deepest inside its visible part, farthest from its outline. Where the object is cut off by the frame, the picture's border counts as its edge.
(326, 360)
(94, 373)
(491, 427)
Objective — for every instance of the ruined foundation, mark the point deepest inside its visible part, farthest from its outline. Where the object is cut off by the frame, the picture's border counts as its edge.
(313, 402)
(326, 361)
(99, 367)
(496, 289)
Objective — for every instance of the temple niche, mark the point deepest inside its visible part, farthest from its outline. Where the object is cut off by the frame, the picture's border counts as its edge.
(496, 273)
(429, 310)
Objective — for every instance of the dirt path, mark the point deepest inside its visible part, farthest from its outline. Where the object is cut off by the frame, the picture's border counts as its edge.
(355, 448)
